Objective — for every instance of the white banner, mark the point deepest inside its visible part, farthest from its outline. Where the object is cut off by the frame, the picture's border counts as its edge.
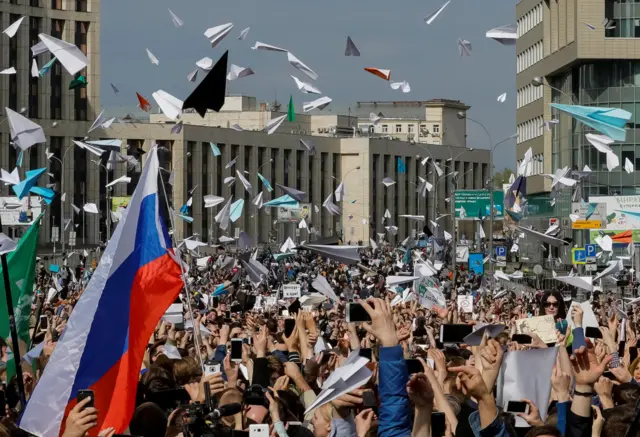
(291, 291)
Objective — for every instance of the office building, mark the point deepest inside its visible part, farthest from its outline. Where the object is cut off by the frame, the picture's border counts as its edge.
(64, 114)
(432, 121)
(585, 53)
(361, 163)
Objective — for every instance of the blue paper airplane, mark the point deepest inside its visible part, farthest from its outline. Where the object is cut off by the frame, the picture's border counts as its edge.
(215, 150)
(30, 181)
(265, 182)
(608, 121)
(236, 210)
(46, 193)
(285, 201)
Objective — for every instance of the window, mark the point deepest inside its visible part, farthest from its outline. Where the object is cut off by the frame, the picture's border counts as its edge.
(35, 3)
(436, 128)
(529, 57)
(81, 5)
(13, 60)
(34, 30)
(56, 4)
(385, 128)
(410, 128)
(528, 94)
(55, 102)
(423, 130)
(81, 102)
(530, 129)
(398, 128)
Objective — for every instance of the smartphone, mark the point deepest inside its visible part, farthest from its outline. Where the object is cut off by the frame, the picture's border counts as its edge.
(366, 352)
(356, 313)
(454, 333)
(295, 306)
(211, 367)
(83, 394)
(236, 308)
(325, 357)
(369, 400)
(522, 338)
(289, 326)
(438, 424)
(517, 407)
(414, 366)
(236, 349)
(261, 430)
(591, 332)
(609, 375)
(215, 302)
(44, 323)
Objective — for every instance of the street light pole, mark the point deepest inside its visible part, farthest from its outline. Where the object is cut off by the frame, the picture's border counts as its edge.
(61, 161)
(108, 217)
(257, 215)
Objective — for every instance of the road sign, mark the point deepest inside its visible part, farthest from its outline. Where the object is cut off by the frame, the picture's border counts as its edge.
(553, 221)
(591, 267)
(72, 239)
(590, 250)
(55, 234)
(501, 251)
(501, 256)
(578, 255)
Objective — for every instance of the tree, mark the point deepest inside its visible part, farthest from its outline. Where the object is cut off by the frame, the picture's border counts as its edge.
(501, 177)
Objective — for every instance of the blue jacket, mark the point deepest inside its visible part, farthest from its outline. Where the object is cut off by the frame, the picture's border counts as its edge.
(395, 411)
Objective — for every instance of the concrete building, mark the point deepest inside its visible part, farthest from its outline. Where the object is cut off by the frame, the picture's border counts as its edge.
(47, 101)
(245, 112)
(432, 121)
(561, 59)
(282, 159)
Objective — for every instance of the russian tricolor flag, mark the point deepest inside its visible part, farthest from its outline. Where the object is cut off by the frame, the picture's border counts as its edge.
(106, 336)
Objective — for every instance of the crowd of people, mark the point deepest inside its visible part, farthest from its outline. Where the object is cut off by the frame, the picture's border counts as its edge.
(239, 358)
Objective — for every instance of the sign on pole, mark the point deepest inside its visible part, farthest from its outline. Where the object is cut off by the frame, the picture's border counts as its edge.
(471, 204)
(72, 239)
(590, 257)
(55, 234)
(578, 255)
(501, 256)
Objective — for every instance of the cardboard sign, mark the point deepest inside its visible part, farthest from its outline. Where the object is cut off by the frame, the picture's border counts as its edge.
(465, 304)
(544, 326)
(291, 291)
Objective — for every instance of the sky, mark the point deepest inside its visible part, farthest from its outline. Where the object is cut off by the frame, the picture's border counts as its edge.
(389, 35)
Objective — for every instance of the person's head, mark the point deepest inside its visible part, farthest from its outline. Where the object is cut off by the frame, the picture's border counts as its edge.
(617, 421)
(634, 369)
(230, 396)
(544, 431)
(322, 421)
(186, 370)
(625, 393)
(149, 420)
(552, 304)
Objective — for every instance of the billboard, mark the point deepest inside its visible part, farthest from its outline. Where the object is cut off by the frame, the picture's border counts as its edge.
(618, 237)
(119, 203)
(470, 204)
(295, 215)
(15, 212)
(596, 213)
(622, 212)
(476, 263)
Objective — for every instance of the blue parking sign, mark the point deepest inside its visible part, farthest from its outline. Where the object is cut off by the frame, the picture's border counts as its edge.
(501, 251)
(590, 250)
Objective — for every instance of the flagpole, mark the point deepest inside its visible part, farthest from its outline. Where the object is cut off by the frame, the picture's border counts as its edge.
(15, 348)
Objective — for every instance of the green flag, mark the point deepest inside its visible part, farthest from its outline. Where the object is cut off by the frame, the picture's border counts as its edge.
(291, 116)
(22, 273)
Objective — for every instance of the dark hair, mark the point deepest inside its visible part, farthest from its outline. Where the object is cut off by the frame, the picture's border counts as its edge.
(148, 421)
(617, 421)
(626, 393)
(544, 431)
(562, 311)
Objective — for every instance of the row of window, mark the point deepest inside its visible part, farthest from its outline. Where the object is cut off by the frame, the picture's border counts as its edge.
(530, 20)
(80, 5)
(530, 129)
(528, 94)
(530, 56)
(398, 128)
(55, 75)
(536, 166)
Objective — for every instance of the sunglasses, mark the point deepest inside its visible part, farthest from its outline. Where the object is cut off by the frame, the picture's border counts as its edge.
(551, 304)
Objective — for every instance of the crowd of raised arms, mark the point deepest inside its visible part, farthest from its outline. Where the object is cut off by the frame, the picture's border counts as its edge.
(238, 358)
